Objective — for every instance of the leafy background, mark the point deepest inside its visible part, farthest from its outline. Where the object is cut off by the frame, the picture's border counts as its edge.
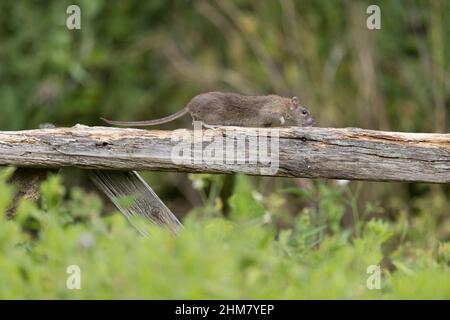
(244, 237)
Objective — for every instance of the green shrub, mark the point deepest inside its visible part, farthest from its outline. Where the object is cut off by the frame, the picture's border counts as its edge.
(214, 257)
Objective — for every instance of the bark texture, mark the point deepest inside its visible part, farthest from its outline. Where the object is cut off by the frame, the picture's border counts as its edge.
(345, 153)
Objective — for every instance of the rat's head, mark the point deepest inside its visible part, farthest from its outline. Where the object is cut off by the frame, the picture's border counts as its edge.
(300, 114)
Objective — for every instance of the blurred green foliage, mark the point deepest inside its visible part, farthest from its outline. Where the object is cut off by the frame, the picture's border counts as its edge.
(245, 237)
(135, 59)
(214, 258)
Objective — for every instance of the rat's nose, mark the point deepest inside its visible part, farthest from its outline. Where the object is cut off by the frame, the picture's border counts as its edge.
(312, 122)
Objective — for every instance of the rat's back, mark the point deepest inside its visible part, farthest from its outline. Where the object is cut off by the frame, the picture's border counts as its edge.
(232, 109)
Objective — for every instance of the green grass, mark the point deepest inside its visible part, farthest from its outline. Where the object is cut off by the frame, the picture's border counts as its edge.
(243, 256)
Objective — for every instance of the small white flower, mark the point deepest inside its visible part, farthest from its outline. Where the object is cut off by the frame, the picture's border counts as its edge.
(198, 184)
(257, 196)
(86, 240)
(267, 218)
(342, 182)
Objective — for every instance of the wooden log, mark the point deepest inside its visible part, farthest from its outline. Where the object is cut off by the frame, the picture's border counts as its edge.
(116, 185)
(346, 153)
(144, 201)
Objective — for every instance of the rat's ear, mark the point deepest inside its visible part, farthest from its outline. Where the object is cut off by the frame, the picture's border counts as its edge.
(294, 102)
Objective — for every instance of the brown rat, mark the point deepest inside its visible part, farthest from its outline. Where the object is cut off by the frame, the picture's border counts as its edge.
(231, 109)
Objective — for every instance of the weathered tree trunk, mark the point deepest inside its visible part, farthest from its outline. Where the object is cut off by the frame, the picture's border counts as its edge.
(347, 153)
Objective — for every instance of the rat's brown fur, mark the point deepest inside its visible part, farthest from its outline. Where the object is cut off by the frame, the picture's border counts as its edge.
(231, 109)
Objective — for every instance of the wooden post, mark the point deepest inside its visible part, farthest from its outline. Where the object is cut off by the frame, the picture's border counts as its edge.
(119, 184)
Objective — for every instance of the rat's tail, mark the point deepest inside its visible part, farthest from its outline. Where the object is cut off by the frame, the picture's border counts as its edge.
(174, 116)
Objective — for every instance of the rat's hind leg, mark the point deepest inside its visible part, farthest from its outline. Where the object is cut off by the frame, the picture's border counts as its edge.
(203, 125)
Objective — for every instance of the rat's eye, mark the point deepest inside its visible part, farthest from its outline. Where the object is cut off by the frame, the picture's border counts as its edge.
(304, 112)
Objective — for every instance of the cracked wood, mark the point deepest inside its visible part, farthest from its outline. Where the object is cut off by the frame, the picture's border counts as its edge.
(345, 153)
